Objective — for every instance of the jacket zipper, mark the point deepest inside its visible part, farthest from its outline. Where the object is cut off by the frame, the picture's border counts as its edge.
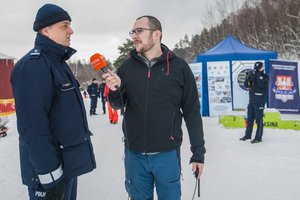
(66, 70)
(146, 103)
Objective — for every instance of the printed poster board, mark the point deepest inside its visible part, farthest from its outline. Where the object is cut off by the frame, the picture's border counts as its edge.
(219, 87)
(197, 71)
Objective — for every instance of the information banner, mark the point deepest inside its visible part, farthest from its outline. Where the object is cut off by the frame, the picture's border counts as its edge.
(197, 71)
(219, 87)
(284, 87)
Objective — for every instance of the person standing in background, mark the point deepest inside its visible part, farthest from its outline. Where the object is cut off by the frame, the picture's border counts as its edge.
(54, 139)
(101, 95)
(93, 92)
(112, 113)
(84, 94)
(257, 84)
(157, 88)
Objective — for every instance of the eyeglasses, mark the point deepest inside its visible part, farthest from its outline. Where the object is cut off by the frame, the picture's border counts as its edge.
(138, 31)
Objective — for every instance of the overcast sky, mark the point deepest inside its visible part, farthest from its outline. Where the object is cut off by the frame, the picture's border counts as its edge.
(100, 25)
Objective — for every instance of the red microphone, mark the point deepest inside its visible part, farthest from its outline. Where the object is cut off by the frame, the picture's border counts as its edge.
(98, 62)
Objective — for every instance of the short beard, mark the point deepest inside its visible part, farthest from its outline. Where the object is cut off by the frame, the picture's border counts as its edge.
(147, 47)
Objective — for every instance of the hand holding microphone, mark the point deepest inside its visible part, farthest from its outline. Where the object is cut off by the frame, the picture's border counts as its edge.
(112, 80)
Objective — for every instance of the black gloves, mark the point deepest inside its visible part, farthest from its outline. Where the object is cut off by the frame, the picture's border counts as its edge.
(56, 192)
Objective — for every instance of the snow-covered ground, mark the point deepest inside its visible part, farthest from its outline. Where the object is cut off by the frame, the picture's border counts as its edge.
(234, 170)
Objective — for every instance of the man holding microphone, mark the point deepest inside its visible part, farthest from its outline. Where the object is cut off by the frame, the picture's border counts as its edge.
(157, 89)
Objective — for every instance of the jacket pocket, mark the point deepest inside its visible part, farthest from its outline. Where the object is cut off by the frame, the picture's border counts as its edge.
(65, 97)
(65, 86)
(77, 158)
(176, 133)
(66, 144)
(172, 126)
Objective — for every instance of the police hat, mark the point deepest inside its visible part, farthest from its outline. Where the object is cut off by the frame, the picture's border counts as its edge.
(258, 66)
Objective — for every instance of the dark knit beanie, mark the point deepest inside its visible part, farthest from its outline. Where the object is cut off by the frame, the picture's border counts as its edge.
(258, 66)
(49, 14)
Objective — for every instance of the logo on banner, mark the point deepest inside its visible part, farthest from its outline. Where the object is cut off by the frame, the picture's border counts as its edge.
(284, 89)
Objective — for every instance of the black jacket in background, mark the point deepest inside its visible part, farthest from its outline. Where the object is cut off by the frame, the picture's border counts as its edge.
(157, 94)
(93, 90)
(257, 84)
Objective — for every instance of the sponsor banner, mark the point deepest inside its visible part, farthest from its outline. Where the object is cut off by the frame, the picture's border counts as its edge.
(284, 87)
(271, 120)
(197, 71)
(7, 107)
(219, 87)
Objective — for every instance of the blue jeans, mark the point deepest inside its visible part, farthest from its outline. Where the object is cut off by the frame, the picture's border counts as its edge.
(70, 191)
(144, 171)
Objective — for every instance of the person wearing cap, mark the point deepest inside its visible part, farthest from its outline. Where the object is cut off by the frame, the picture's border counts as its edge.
(257, 84)
(54, 139)
(93, 91)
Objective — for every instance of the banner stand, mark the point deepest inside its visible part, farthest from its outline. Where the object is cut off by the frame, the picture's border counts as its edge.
(272, 119)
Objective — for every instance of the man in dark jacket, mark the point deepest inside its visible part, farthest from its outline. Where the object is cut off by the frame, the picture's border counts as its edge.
(158, 89)
(257, 84)
(54, 138)
(93, 91)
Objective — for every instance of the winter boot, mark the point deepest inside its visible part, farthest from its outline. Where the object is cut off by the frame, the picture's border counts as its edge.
(245, 138)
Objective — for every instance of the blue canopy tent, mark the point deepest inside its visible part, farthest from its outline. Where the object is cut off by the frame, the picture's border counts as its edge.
(229, 49)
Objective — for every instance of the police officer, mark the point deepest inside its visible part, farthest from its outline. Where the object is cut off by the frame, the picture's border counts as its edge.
(93, 92)
(257, 84)
(54, 138)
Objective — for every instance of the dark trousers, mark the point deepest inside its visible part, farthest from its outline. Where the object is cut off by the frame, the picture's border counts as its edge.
(255, 112)
(93, 105)
(103, 104)
(70, 191)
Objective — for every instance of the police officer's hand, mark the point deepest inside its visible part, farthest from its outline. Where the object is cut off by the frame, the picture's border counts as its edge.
(112, 80)
(56, 192)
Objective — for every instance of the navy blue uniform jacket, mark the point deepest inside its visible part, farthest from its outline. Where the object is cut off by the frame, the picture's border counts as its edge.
(93, 90)
(157, 95)
(54, 139)
(257, 84)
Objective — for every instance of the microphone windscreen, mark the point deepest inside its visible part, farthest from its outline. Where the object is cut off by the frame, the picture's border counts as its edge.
(97, 61)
